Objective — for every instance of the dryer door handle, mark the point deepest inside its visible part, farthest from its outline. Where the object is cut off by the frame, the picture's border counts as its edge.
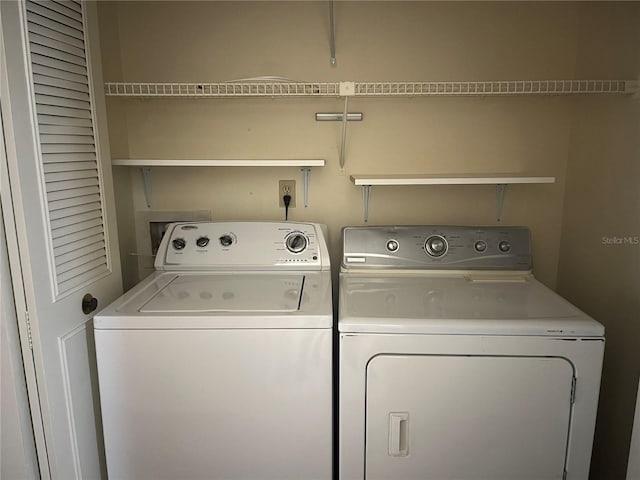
(399, 434)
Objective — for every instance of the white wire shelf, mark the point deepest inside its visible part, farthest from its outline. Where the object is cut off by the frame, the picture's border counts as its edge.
(223, 90)
(371, 89)
(511, 87)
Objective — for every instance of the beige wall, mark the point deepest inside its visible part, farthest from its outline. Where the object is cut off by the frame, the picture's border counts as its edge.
(385, 41)
(603, 202)
(216, 41)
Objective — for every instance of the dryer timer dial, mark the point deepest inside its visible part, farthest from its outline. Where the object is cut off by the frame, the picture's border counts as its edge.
(436, 246)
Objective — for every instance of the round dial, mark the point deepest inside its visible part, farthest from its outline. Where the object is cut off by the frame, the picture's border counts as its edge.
(504, 246)
(393, 245)
(296, 242)
(436, 246)
(226, 240)
(179, 243)
(202, 242)
(480, 246)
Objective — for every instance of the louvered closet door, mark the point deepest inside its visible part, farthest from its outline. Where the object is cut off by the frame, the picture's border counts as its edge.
(65, 124)
(63, 216)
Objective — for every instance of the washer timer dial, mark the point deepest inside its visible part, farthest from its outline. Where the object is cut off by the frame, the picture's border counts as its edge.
(296, 242)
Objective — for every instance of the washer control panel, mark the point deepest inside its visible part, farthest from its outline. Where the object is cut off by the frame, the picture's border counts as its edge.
(243, 245)
(437, 247)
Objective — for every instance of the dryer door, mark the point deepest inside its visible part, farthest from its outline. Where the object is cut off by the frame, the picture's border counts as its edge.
(432, 417)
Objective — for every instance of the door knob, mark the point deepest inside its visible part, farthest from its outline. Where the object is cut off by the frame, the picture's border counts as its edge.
(89, 303)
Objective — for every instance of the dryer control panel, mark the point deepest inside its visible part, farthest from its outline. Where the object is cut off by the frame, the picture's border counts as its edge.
(243, 246)
(437, 247)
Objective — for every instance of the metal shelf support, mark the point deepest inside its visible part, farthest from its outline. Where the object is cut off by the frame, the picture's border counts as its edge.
(501, 189)
(343, 142)
(146, 182)
(306, 171)
(332, 33)
(366, 195)
(347, 89)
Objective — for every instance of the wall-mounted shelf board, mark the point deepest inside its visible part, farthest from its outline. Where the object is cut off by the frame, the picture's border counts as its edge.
(455, 179)
(499, 180)
(218, 163)
(146, 164)
(370, 89)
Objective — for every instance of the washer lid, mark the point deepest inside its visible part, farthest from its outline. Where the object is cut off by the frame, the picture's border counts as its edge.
(228, 293)
(458, 304)
(225, 300)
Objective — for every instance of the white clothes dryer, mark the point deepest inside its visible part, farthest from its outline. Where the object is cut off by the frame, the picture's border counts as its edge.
(219, 365)
(456, 363)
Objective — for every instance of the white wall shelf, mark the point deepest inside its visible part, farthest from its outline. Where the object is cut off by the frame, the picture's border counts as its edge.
(370, 89)
(146, 164)
(500, 181)
(218, 163)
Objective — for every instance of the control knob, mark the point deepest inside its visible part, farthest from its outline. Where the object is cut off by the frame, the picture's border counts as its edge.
(504, 246)
(226, 240)
(179, 243)
(393, 245)
(480, 246)
(202, 242)
(436, 246)
(296, 242)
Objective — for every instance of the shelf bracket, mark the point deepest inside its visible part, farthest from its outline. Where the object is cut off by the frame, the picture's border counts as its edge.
(332, 33)
(366, 194)
(501, 189)
(146, 182)
(305, 184)
(343, 144)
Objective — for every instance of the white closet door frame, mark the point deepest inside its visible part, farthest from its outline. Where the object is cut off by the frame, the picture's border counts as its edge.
(19, 290)
(20, 308)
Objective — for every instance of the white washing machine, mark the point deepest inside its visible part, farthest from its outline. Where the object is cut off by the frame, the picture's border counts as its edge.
(219, 365)
(456, 363)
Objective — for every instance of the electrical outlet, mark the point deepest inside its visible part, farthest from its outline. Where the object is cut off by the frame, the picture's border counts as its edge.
(287, 187)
